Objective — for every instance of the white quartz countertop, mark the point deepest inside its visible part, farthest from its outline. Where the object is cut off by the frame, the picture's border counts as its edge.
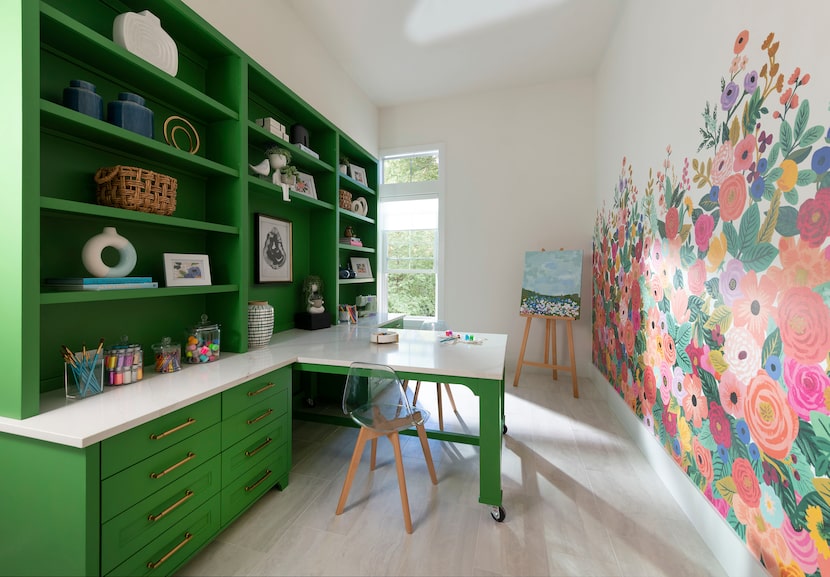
(80, 423)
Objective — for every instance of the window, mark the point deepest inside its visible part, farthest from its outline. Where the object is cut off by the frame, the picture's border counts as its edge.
(410, 231)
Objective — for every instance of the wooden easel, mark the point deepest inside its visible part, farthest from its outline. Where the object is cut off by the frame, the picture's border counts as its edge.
(550, 349)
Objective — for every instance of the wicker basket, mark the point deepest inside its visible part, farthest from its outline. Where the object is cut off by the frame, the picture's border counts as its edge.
(345, 199)
(137, 189)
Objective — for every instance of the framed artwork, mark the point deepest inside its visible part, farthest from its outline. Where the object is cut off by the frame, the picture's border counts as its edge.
(552, 284)
(358, 174)
(273, 259)
(186, 269)
(362, 267)
(305, 185)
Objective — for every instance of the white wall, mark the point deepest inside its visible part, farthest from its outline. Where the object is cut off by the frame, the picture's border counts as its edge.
(272, 34)
(664, 63)
(519, 177)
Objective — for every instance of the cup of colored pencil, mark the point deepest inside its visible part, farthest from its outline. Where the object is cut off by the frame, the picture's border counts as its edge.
(83, 371)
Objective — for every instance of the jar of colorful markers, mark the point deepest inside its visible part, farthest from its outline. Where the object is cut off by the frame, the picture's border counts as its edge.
(202, 342)
(123, 363)
(168, 356)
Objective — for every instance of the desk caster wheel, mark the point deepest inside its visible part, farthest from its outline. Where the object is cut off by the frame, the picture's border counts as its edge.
(309, 402)
(498, 514)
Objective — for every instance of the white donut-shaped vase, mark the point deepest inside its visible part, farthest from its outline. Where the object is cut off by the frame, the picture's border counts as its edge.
(91, 254)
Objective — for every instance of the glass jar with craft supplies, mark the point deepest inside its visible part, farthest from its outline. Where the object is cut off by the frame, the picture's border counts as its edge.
(202, 342)
(168, 356)
(123, 363)
(83, 372)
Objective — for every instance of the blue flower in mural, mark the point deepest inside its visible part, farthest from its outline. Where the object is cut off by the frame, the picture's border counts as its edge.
(754, 451)
(756, 191)
(742, 430)
(821, 160)
(773, 367)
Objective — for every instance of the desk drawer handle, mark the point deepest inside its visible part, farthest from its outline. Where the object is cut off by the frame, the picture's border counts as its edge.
(187, 423)
(187, 495)
(259, 418)
(190, 455)
(187, 537)
(257, 484)
(258, 449)
(265, 388)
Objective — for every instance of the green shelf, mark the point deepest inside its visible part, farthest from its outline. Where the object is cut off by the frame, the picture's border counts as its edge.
(63, 297)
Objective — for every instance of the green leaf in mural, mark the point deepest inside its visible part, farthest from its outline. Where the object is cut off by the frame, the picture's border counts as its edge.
(695, 305)
(812, 136)
(759, 257)
(737, 526)
(752, 112)
(784, 489)
(787, 221)
(801, 119)
(710, 389)
(683, 336)
(799, 154)
(808, 500)
(774, 150)
(687, 258)
(824, 291)
(707, 441)
(825, 181)
(713, 288)
(707, 204)
(786, 136)
(683, 360)
(750, 225)
(821, 425)
(770, 219)
(806, 177)
(791, 196)
(733, 243)
(727, 489)
(721, 316)
(772, 346)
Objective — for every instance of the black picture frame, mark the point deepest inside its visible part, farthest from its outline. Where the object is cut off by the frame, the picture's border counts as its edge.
(273, 250)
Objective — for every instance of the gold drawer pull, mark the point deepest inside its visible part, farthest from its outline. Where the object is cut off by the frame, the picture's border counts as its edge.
(255, 485)
(187, 495)
(259, 418)
(265, 388)
(187, 423)
(190, 455)
(258, 449)
(187, 537)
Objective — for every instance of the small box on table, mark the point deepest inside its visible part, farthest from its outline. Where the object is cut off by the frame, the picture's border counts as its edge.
(312, 321)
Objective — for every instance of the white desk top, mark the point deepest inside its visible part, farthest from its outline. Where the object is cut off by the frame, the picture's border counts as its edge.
(87, 421)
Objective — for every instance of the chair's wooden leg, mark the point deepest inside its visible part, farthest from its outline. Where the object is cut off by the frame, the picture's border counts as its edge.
(374, 454)
(440, 407)
(396, 446)
(417, 390)
(347, 484)
(449, 394)
(422, 434)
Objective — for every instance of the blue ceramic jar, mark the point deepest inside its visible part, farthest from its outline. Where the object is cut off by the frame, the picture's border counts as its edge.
(80, 95)
(129, 112)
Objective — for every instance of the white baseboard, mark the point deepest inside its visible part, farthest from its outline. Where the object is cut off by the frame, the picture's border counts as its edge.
(724, 543)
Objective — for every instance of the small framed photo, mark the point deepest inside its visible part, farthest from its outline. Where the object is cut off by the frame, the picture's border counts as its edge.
(362, 267)
(305, 185)
(358, 174)
(273, 259)
(186, 269)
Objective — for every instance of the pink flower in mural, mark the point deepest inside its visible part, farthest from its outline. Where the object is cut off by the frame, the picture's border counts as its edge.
(814, 218)
(722, 165)
(665, 382)
(730, 281)
(732, 392)
(801, 265)
(754, 308)
(732, 197)
(719, 425)
(679, 301)
(697, 277)
(703, 460)
(746, 482)
(678, 389)
(741, 352)
(804, 322)
(672, 223)
(649, 388)
(669, 352)
(704, 225)
(744, 153)
(772, 422)
(801, 546)
(806, 387)
(694, 403)
(741, 41)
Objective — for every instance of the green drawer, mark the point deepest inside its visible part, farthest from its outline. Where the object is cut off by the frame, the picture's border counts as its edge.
(253, 418)
(244, 395)
(255, 449)
(170, 550)
(133, 484)
(130, 447)
(251, 485)
(142, 523)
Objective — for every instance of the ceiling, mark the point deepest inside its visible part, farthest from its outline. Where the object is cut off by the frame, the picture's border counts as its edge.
(403, 51)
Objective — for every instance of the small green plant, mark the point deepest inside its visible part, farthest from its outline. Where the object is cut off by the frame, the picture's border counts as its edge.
(344, 159)
(276, 149)
(289, 171)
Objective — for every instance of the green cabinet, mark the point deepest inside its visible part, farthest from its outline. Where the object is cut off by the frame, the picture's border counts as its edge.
(54, 153)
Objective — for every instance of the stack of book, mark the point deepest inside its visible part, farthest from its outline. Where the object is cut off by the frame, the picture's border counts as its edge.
(351, 240)
(99, 284)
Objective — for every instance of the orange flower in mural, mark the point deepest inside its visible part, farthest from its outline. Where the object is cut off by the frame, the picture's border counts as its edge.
(741, 41)
(703, 458)
(804, 322)
(771, 421)
(801, 265)
(789, 176)
(694, 403)
(746, 482)
(732, 197)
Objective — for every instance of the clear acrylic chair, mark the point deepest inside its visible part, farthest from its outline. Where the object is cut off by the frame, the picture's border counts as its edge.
(376, 400)
(436, 326)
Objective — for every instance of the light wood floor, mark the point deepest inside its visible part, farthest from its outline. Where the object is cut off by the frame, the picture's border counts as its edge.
(579, 496)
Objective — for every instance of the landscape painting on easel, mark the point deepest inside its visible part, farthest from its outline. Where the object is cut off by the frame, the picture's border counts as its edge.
(552, 283)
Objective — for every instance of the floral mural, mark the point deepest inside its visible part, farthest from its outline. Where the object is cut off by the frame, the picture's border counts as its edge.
(711, 309)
